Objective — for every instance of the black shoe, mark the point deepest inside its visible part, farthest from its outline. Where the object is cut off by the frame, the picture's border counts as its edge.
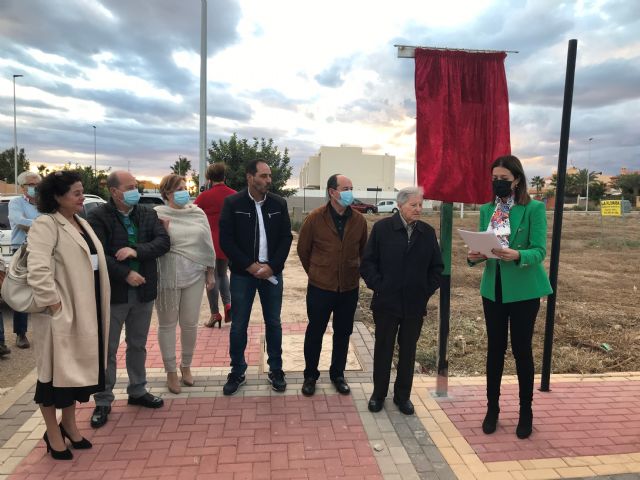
(147, 400)
(22, 341)
(490, 422)
(405, 406)
(55, 454)
(375, 404)
(100, 415)
(233, 383)
(341, 385)
(525, 423)
(80, 444)
(309, 387)
(4, 350)
(278, 383)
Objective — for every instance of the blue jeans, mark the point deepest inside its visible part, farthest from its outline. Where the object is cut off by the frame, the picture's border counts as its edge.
(1, 329)
(243, 290)
(20, 323)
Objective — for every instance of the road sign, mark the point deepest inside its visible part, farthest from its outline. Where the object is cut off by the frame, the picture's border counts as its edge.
(611, 208)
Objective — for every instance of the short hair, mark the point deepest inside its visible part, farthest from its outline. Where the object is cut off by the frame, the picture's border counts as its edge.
(216, 172)
(169, 183)
(55, 184)
(513, 164)
(113, 180)
(405, 193)
(252, 166)
(24, 176)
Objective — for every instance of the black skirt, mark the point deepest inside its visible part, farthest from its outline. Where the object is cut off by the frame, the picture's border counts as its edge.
(62, 397)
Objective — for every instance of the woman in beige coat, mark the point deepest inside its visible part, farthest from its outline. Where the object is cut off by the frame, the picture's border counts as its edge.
(68, 273)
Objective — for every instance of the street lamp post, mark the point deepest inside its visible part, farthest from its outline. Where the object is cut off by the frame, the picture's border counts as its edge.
(15, 136)
(95, 163)
(586, 207)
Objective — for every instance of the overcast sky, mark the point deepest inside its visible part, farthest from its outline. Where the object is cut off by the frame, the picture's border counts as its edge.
(305, 73)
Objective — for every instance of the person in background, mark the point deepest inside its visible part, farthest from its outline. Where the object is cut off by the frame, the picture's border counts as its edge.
(330, 245)
(70, 334)
(512, 285)
(255, 233)
(22, 213)
(133, 238)
(402, 264)
(4, 350)
(210, 201)
(183, 273)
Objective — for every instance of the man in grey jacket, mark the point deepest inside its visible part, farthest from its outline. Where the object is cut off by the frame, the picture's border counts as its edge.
(133, 238)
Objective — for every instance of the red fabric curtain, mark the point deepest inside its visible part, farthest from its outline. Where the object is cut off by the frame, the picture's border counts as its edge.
(462, 122)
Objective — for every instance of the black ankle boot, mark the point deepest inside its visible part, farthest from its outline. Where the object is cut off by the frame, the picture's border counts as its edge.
(525, 423)
(490, 421)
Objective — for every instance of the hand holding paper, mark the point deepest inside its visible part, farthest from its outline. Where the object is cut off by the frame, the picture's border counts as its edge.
(483, 242)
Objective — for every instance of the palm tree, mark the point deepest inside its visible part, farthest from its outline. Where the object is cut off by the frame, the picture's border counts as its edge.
(537, 182)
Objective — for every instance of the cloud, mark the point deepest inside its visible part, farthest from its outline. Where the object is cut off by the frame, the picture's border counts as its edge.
(334, 75)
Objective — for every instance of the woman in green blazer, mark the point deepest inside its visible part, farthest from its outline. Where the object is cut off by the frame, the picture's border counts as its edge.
(512, 284)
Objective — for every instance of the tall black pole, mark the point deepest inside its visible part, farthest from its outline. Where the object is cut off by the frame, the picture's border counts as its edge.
(446, 227)
(557, 216)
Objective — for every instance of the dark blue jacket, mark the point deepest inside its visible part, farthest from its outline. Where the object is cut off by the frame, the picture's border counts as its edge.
(403, 274)
(239, 235)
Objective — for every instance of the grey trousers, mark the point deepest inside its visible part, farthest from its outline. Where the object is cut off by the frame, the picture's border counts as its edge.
(135, 316)
(222, 287)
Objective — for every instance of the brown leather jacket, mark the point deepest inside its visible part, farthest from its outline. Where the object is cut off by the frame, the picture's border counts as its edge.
(332, 264)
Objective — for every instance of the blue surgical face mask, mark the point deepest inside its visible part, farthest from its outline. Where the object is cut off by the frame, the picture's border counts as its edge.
(31, 191)
(346, 198)
(181, 197)
(131, 197)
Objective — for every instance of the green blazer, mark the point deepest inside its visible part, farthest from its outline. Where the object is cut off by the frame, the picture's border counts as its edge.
(526, 278)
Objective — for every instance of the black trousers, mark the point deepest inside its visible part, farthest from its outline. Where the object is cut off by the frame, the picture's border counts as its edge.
(407, 330)
(320, 305)
(520, 318)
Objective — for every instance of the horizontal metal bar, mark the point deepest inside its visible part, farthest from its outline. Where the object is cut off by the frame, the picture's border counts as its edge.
(409, 51)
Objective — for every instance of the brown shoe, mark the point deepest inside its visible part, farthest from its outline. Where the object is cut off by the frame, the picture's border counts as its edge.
(227, 313)
(215, 318)
(172, 383)
(22, 341)
(187, 377)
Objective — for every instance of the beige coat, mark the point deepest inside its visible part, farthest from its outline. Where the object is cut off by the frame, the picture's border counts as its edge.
(66, 343)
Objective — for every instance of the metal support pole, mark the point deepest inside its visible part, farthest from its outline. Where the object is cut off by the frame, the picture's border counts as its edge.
(446, 228)
(95, 163)
(15, 136)
(586, 207)
(203, 94)
(557, 217)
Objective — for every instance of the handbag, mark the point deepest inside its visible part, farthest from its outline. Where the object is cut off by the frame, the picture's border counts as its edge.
(16, 291)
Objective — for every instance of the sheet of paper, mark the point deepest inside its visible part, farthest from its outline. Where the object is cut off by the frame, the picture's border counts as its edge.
(482, 242)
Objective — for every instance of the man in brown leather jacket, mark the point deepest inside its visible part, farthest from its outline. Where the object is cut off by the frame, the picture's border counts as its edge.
(330, 245)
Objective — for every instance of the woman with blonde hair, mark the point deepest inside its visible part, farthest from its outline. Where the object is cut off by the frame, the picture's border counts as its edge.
(182, 275)
(67, 271)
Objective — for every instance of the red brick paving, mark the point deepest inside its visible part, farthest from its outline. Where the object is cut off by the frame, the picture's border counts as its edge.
(574, 419)
(212, 346)
(275, 437)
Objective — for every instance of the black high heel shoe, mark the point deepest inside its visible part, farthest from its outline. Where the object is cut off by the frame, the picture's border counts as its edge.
(79, 445)
(55, 454)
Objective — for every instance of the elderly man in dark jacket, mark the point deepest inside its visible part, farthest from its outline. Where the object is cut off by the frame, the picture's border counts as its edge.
(402, 265)
(133, 238)
(255, 233)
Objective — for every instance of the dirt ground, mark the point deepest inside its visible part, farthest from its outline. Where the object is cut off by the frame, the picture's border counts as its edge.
(597, 301)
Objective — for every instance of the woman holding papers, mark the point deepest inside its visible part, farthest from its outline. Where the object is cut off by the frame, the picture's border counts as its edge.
(512, 284)
(182, 274)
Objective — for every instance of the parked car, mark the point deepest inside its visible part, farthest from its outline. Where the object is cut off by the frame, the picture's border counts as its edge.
(151, 199)
(363, 207)
(387, 206)
(90, 202)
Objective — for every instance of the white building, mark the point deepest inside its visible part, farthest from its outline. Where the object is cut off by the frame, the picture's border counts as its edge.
(366, 171)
